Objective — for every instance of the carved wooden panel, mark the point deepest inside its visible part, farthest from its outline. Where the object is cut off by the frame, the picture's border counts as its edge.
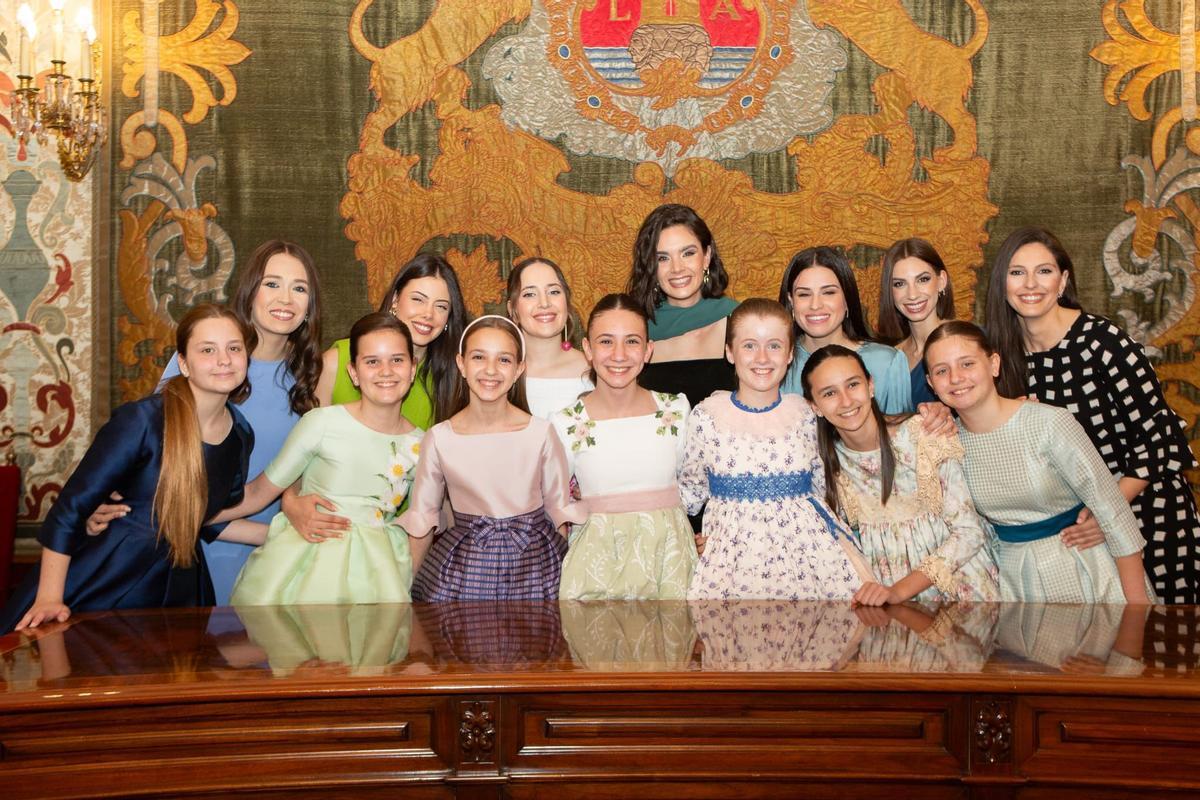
(776, 734)
(1105, 741)
(175, 749)
(477, 732)
(991, 735)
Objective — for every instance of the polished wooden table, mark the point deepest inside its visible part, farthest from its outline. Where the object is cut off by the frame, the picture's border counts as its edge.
(621, 700)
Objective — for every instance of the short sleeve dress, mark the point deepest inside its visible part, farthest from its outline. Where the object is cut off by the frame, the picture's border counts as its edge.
(510, 492)
(1103, 377)
(1036, 465)
(366, 474)
(637, 543)
(770, 533)
(929, 522)
(128, 565)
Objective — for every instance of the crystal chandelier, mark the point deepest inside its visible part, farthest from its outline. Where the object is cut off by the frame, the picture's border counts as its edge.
(77, 119)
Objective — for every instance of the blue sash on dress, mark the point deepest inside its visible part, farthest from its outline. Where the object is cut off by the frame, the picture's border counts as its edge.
(1032, 531)
(780, 486)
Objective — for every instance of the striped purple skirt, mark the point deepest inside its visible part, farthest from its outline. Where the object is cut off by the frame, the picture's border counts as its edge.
(484, 558)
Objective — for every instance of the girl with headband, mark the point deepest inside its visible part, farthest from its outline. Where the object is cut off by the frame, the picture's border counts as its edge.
(506, 476)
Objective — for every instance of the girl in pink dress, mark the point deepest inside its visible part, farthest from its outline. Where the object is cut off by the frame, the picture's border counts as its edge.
(506, 476)
(752, 456)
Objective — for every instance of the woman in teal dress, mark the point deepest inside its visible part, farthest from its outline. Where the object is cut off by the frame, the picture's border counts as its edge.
(358, 454)
(821, 293)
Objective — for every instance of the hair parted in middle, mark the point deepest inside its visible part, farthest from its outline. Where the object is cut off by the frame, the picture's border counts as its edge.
(1004, 328)
(854, 326)
(571, 332)
(643, 277)
(303, 357)
(181, 494)
(378, 321)
(616, 301)
(893, 326)
(828, 436)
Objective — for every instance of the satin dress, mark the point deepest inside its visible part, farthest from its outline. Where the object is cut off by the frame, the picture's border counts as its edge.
(128, 566)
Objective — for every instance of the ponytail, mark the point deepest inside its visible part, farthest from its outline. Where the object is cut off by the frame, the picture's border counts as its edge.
(180, 499)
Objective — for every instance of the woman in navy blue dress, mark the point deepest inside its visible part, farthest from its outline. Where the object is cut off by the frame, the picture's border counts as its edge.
(178, 458)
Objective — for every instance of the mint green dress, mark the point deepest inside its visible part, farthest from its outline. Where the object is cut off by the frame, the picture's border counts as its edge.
(367, 474)
(418, 403)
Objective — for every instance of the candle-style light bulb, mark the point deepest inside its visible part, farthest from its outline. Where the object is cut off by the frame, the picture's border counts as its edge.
(84, 22)
(28, 34)
(57, 53)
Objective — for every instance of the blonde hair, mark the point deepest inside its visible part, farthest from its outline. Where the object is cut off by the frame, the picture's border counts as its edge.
(181, 496)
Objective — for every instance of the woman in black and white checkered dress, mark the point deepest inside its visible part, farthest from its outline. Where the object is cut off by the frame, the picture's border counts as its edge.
(1087, 365)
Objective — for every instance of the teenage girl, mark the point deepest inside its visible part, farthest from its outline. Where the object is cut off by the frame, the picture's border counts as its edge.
(506, 476)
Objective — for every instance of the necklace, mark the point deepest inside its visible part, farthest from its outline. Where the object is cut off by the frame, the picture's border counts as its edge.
(739, 404)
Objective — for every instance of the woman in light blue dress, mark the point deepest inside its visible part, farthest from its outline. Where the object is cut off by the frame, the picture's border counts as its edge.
(821, 293)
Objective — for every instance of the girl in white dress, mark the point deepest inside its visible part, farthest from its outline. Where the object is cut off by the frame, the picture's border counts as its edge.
(539, 301)
(752, 455)
(624, 445)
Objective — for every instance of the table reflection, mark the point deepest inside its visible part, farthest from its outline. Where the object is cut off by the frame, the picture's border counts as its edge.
(272, 643)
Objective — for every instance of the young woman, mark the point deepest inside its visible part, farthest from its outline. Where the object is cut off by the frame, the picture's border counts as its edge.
(624, 445)
(279, 298)
(359, 454)
(679, 281)
(901, 489)
(820, 291)
(915, 296)
(539, 301)
(752, 455)
(506, 475)
(1031, 468)
(424, 296)
(1052, 350)
(177, 457)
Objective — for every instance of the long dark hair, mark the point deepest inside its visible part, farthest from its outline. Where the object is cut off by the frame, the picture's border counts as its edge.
(643, 277)
(516, 393)
(854, 326)
(571, 329)
(894, 327)
(828, 436)
(1003, 324)
(617, 301)
(439, 355)
(303, 359)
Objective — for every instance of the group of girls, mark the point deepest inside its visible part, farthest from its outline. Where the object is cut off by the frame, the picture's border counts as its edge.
(820, 457)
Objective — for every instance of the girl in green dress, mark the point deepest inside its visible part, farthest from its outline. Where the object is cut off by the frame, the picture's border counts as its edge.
(361, 455)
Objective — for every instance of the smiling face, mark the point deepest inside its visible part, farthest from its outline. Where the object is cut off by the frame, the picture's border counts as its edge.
(1034, 281)
(682, 264)
(818, 303)
(617, 347)
(215, 359)
(915, 287)
(424, 306)
(961, 373)
(490, 363)
(282, 298)
(842, 392)
(382, 368)
(540, 307)
(760, 353)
